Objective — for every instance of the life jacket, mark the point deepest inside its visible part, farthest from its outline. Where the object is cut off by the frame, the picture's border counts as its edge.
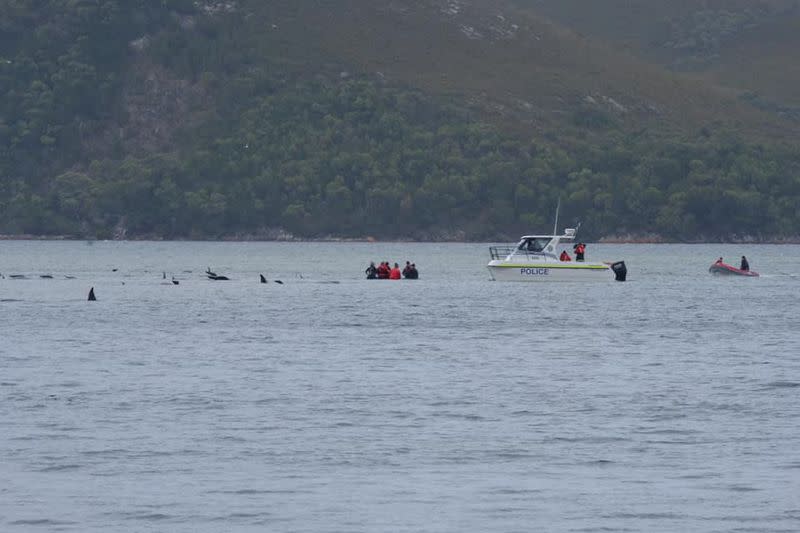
(395, 274)
(565, 256)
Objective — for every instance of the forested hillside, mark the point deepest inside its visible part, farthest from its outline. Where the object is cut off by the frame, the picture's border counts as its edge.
(429, 119)
(744, 45)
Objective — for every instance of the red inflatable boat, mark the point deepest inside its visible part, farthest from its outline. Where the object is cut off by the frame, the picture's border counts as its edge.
(723, 269)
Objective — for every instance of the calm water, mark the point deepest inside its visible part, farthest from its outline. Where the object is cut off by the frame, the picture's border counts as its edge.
(450, 404)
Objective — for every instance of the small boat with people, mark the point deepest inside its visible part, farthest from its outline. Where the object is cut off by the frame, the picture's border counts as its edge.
(537, 258)
(720, 268)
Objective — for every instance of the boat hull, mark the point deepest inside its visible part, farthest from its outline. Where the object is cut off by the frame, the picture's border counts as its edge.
(550, 271)
(722, 269)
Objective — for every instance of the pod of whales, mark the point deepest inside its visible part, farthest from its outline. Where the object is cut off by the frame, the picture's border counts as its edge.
(92, 297)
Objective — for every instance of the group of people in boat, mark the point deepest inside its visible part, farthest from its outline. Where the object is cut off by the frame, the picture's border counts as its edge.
(385, 271)
(578, 248)
(744, 265)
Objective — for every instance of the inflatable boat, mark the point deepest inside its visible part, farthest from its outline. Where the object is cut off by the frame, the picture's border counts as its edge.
(723, 269)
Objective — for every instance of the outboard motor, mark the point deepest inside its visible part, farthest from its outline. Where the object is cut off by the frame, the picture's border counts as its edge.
(620, 270)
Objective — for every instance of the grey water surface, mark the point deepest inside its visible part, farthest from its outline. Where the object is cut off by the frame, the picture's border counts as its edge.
(448, 404)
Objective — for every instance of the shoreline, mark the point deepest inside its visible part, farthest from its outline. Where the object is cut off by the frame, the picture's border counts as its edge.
(650, 239)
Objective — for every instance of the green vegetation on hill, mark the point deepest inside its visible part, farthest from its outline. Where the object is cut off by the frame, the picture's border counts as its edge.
(61, 69)
(745, 46)
(170, 119)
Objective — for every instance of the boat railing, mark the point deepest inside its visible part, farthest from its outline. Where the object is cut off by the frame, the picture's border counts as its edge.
(501, 252)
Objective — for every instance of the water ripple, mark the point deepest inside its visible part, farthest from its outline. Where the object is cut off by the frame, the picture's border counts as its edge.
(456, 404)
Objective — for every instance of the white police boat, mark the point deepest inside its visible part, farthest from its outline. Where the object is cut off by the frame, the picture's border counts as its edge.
(536, 258)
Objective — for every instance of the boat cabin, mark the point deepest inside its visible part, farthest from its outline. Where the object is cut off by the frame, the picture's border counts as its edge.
(534, 245)
(543, 244)
(538, 245)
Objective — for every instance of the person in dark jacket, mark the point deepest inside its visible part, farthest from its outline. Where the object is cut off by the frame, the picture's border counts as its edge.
(745, 265)
(371, 271)
(407, 269)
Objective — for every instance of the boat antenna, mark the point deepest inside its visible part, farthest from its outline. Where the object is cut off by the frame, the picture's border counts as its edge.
(555, 225)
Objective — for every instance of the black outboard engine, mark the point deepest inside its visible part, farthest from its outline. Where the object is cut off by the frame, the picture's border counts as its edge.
(620, 270)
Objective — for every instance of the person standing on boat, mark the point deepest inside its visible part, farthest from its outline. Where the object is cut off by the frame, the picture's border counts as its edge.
(564, 256)
(580, 249)
(745, 265)
(371, 271)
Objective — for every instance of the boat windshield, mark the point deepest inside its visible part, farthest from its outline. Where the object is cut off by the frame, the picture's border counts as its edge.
(534, 245)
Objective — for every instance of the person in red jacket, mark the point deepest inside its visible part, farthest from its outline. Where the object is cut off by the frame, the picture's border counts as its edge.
(383, 270)
(580, 249)
(564, 256)
(395, 272)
